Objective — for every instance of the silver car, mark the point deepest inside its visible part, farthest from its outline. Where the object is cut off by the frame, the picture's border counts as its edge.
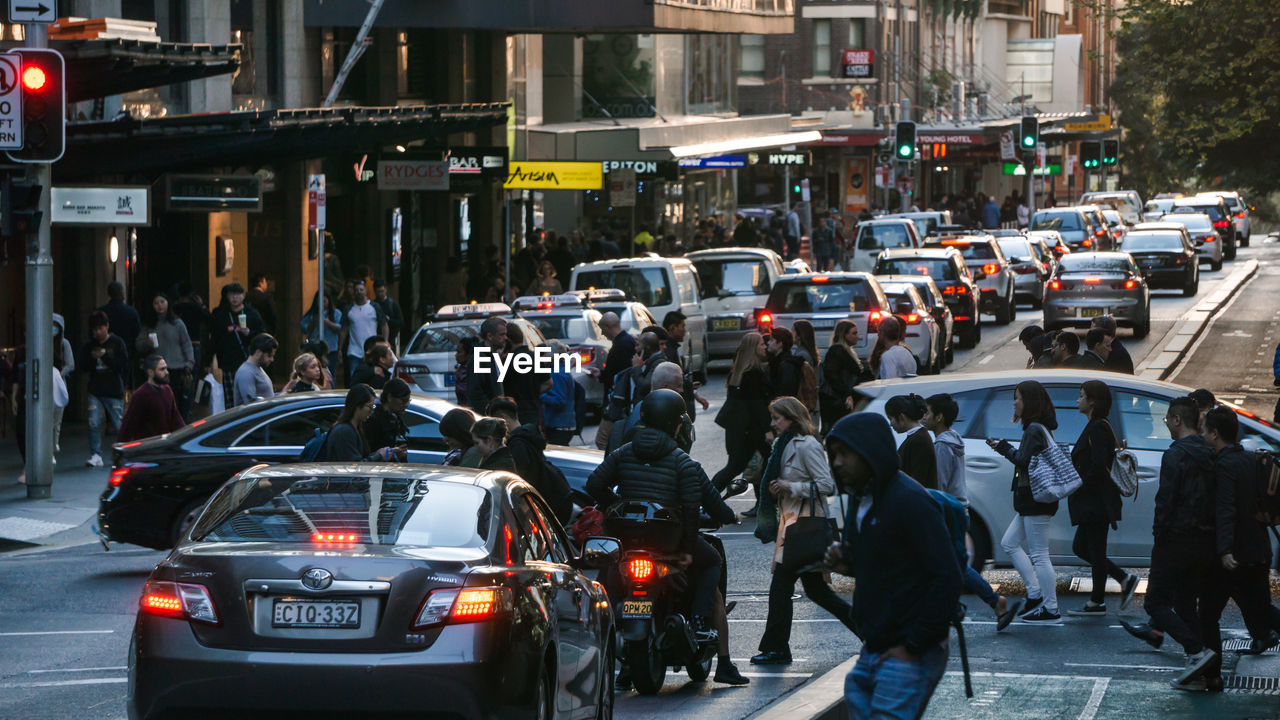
(986, 411)
(431, 357)
(924, 335)
(1240, 212)
(1206, 237)
(570, 319)
(935, 299)
(735, 281)
(1089, 285)
(991, 271)
(825, 299)
(1030, 271)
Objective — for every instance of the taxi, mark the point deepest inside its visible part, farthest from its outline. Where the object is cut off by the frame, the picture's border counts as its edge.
(572, 319)
(428, 363)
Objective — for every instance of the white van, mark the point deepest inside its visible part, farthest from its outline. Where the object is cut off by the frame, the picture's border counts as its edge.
(877, 235)
(736, 281)
(662, 285)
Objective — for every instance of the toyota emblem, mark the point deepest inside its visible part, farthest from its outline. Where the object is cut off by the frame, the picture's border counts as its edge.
(317, 579)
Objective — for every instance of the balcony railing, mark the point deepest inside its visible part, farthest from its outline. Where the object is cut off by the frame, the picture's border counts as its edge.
(755, 7)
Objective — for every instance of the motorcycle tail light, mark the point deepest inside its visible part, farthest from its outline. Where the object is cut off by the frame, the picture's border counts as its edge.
(640, 569)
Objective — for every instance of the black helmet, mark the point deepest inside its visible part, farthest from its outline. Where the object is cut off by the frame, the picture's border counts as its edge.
(663, 410)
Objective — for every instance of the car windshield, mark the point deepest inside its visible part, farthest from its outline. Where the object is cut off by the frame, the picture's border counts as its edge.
(873, 237)
(444, 337)
(899, 292)
(1089, 262)
(367, 510)
(1056, 221)
(1231, 201)
(1152, 241)
(564, 327)
(648, 286)
(938, 268)
(736, 276)
(851, 295)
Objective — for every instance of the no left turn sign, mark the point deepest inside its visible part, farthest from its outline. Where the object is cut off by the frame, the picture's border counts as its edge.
(10, 103)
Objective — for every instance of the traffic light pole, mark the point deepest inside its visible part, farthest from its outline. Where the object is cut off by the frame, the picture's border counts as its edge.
(40, 369)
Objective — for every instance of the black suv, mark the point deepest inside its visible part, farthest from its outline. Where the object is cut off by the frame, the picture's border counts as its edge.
(947, 268)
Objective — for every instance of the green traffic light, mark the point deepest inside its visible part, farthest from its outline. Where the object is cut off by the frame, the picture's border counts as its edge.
(795, 188)
(1028, 141)
(904, 151)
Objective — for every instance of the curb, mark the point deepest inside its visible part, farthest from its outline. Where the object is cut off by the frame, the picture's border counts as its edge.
(821, 699)
(1179, 341)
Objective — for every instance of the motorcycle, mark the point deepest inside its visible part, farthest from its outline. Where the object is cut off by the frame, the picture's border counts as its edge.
(653, 607)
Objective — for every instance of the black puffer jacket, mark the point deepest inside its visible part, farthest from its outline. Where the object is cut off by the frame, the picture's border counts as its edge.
(1186, 500)
(651, 468)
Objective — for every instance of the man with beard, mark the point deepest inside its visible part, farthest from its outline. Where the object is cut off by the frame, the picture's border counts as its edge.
(153, 410)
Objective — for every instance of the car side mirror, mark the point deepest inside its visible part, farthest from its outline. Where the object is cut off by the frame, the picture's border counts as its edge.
(599, 553)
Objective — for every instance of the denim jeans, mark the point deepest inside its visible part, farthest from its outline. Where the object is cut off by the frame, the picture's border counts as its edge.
(882, 688)
(1033, 563)
(114, 408)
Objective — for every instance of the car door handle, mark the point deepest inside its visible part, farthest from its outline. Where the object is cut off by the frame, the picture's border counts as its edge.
(983, 464)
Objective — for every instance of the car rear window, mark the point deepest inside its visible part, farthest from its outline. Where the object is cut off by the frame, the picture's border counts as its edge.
(733, 277)
(1088, 262)
(1192, 221)
(648, 285)
(852, 295)
(1056, 221)
(1213, 211)
(1152, 241)
(565, 327)
(880, 237)
(444, 337)
(366, 510)
(973, 250)
(937, 268)
(1017, 248)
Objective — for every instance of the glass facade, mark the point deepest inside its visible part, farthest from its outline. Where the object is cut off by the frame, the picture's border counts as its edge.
(618, 76)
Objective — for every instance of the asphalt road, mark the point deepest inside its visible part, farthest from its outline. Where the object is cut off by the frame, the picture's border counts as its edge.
(66, 614)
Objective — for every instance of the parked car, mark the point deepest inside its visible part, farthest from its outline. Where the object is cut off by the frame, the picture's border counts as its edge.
(877, 235)
(1216, 209)
(1030, 271)
(825, 299)
(459, 586)
(430, 357)
(991, 271)
(986, 411)
(1240, 212)
(923, 333)
(570, 318)
(937, 304)
(927, 221)
(946, 267)
(1200, 228)
(1089, 285)
(1167, 258)
(1127, 202)
(661, 285)
(157, 486)
(735, 281)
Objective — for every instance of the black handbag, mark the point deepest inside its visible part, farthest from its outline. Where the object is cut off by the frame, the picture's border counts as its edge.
(805, 542)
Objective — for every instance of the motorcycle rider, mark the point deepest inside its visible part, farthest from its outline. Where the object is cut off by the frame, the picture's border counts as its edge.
(651, 468)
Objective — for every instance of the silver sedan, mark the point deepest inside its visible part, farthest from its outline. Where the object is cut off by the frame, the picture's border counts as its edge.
(1089, 285)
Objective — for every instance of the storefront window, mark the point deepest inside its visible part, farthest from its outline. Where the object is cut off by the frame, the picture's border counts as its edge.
(617, 77)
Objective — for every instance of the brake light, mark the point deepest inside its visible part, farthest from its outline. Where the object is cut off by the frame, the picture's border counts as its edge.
(640, 569)
(1087, 243)
(475, 604)
(821, 279)
(1209, 238)
(586, 355)
(461, 605)
(990, 268)
(1240, 214)
(1100, 232)
(962, 318)
(179, 600)
(1093, 280)
(120, 474)
(1055, 285)
(913, 319)
(406, 372)
(1219, 223)
(873, 321)
(1130, 284)
(765, 321)
(334, 537)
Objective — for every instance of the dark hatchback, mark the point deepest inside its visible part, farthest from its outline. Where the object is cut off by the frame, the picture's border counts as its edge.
(157, 486)
(366, 589)
(947, 268)
(1167, 259)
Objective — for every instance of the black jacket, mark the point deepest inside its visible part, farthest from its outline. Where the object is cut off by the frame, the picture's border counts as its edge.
(384, 429)
(1185, 502)
(916, 459)
(651, 468)
(907, 577)
(1098, 499)
(1033, 443)
(126, 324)
(229, 346)
(107, 381)
(1090, 360)
(481, 388)
(618, 359)
(785, 373)
(345, 444)
(501, 459)
(1239, 532)
(746, 407)
(528, 446)
(1119, 360)
(365, 373)
(838, 374)
(525, 388)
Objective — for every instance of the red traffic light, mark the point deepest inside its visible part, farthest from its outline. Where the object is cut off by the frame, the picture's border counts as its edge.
(34, 78)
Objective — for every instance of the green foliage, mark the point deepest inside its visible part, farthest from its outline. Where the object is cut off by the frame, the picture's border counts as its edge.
(1198, 92)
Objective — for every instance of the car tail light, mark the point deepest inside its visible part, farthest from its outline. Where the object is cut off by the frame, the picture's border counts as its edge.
(1220, 224)
(765, 321)
(1055, 285)
(1087, 243)
(1208, 238)
(179, 600)
(406, 372)
(1100, 232)
(990, 268)
(453, 606)
(1093, 280)
(1240, 214)
(640, 569)
(1180, 260)
(1130, 284)
(873, 321)
(821, 279)
(955, 290)
(962, 318)
(913, 319)
(585, 354)
(120, 474)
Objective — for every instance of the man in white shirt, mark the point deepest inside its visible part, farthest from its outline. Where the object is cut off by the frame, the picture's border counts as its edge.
(361, 321)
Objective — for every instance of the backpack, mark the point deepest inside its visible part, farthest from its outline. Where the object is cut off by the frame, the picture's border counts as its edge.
(956, 517)
(808, 392)
(311, 451)
(1268, 479)
(1124, 468)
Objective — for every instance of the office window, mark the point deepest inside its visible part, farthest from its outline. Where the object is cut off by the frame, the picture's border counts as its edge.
(821, 48)
(857, 34)
(751, 56)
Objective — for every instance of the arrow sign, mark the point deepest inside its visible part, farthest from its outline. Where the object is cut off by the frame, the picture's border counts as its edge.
(31, 11)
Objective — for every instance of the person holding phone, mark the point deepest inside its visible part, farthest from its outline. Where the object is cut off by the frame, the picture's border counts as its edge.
(346, 441)
(385, 426)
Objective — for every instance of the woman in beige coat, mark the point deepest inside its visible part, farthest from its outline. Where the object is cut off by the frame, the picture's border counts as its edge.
(797, 465)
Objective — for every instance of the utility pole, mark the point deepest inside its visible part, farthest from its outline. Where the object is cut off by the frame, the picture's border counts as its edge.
(39, 278)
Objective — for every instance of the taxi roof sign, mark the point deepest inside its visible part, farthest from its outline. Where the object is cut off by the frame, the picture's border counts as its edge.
(600, 294)
(473, 310)
(547, 300)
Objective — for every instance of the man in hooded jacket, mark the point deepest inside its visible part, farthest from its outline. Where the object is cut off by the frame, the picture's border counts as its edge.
(898, 549)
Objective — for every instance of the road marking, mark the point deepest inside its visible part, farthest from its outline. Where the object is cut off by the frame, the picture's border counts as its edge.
(1095, 699)
(57, 632)
(985, 360)
(793, 622)
(758, 674)
(64, 670)
(1122, 665)
(27, 529)
(63, 683)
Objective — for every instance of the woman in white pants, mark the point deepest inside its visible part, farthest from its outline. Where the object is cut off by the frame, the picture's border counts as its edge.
(1027, 539)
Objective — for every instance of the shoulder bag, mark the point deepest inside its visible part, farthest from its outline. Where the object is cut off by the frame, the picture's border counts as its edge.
(1051, 472)
(805, 542)
(1124, 469)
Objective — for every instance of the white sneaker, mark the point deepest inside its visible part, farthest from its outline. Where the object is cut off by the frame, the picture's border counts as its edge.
(95, 460)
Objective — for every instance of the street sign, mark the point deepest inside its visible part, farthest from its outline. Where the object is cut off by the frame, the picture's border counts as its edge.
(32, 11)
(804, 191)
(10, 103)
(906, 185)
(315, 201)
(1102, 124)
(884, 176)
(1041, 153)
(1007, 150)
(622, 188)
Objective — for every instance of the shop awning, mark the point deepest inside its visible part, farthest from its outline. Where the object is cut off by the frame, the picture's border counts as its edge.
(744, 144)
(101, 68)
(193, 142)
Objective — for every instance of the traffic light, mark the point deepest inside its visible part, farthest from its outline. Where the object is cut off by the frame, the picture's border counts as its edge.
(795, 188)
(1110, 152)
(905, 143)
(42, 82)
(19, 207)
(1090, 154)
(1030, 135)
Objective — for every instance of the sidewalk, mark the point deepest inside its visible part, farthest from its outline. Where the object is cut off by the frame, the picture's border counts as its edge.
(67, 517)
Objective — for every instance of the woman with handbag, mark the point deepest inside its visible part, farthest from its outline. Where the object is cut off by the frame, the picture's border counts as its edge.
(745, 415)
(1095, 507)
(1033, 408)
(798, 477)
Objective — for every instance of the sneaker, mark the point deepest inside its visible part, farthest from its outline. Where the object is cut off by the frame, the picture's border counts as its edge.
(1196, 665)
(1031, 605)
(703, 632)
(95, 460)
(1014, 607)
(1126, 590)
(1089, 611)
(1257, 648)
(727, 674)
(1197, 685)
(1144, 632)
(1041, 616)
(771, 657)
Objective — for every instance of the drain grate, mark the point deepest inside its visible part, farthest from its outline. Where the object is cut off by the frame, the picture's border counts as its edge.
(1253, 684)
(1236, 644)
